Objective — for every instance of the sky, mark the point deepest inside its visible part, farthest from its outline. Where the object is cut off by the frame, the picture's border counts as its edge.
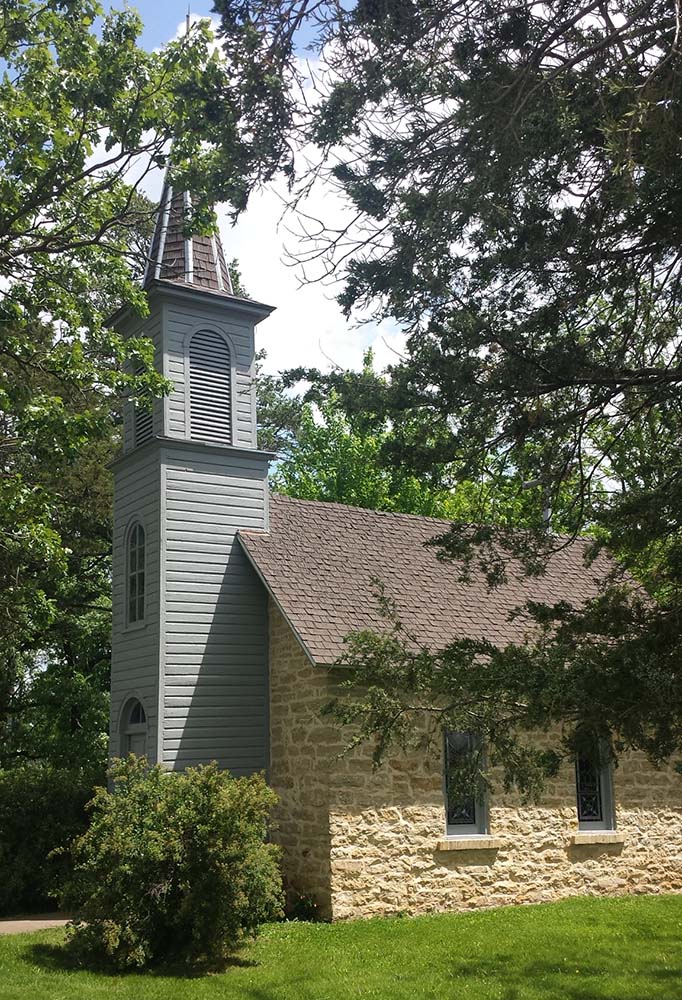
(307, 327)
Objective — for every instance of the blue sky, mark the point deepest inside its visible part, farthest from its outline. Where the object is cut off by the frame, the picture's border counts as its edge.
(161, 18)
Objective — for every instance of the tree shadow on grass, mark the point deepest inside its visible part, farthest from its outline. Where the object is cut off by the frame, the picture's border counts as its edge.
(58, 958)
(590, 981)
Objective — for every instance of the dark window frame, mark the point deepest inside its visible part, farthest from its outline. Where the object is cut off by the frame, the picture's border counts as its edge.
(595, 807)
(467, 817)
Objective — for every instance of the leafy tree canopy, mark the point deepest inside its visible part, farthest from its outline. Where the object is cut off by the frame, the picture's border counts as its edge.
(341, 452)
(512, 177)
(86, 115)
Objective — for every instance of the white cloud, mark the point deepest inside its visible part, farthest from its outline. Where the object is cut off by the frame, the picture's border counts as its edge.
(308, 327)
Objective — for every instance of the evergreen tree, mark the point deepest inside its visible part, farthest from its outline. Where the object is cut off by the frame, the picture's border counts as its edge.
(512, 174)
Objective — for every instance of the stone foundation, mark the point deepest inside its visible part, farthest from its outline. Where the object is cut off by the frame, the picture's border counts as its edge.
(364, 843)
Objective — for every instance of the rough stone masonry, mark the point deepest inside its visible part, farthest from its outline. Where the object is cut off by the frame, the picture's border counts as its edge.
(364, 842)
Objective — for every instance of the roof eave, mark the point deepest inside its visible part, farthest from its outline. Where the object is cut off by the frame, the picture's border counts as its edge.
(188, 444)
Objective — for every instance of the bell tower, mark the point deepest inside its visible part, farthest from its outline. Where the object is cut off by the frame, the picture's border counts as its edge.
(189, 643)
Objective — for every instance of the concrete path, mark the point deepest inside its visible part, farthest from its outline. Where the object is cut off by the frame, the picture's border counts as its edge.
(32, 922)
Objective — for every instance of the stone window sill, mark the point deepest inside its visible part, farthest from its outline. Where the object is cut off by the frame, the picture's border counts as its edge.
(470, 844)
(587, 837)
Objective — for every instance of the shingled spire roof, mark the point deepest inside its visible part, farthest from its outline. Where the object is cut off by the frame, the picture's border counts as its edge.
(197, 261)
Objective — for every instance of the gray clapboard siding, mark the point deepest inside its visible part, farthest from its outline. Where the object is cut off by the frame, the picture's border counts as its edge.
(215, 611)
(134, 654)
(200, 661)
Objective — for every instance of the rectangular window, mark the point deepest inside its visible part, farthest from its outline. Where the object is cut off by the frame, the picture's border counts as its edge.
(466, 815)
(594, 792)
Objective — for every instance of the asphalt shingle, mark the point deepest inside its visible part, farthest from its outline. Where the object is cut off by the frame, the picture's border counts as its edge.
(320, 561)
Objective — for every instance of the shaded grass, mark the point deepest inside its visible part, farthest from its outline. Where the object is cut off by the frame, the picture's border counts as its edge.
(579, 949)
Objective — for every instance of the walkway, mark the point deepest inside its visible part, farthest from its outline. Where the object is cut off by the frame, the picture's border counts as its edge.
(32, 922)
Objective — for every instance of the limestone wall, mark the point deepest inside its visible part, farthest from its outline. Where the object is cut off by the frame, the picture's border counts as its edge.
(299, 765)
(367, 842)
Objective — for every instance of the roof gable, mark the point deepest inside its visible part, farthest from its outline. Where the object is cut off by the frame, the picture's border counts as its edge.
(320, 560)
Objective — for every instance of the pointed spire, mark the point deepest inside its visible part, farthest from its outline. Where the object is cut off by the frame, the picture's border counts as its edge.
(196, 260)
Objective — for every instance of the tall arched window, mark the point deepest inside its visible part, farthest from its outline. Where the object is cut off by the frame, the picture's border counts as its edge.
(135, 573)
(210, 387)
(134, 729)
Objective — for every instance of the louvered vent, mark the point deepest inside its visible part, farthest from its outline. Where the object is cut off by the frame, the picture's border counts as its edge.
(143, 425)
(209, 388)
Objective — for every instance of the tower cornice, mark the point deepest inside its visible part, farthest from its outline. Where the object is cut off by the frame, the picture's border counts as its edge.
(190, 444)
(171, 290)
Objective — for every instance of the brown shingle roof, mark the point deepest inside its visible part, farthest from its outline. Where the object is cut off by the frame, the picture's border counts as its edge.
(195, 260)
(319, 559)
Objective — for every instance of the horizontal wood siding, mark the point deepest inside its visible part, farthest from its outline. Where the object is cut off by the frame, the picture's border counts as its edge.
(135, 650)
(215, 612)
(180, 322)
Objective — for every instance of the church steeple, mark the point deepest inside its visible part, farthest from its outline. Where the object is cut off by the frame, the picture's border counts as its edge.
(189, 637)
(197, 261)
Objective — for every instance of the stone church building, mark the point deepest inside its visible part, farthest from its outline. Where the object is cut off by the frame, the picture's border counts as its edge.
(229, 605)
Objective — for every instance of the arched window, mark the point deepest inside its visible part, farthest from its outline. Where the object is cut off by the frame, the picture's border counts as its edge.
(134, 729)
(210, 387)
(135, 573)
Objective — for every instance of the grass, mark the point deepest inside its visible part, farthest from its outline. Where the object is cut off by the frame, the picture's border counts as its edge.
(579, 949)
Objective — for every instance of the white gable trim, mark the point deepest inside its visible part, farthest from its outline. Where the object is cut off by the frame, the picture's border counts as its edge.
(158, 263)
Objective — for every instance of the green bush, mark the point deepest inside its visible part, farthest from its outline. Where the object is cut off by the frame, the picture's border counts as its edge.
(173, 867)
(42, 808)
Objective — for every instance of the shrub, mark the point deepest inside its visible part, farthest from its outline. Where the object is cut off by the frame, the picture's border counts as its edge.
(42, 808)
(302, 907)
(172, 867)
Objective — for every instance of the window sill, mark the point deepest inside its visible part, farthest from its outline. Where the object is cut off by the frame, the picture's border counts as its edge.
(587, 837)
(136, 626)
(483, 843)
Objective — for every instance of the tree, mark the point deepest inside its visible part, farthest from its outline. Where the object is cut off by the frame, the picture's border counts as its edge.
(512, 175)
(341, 452)
(279, 410)
(86, 116)
(330, 461)
(56, 706)
(57, 710)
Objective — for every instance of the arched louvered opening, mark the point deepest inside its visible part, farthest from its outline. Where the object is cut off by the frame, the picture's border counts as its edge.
(210, 387)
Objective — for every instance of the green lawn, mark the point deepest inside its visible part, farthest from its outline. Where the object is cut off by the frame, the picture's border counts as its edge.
(581, 949)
